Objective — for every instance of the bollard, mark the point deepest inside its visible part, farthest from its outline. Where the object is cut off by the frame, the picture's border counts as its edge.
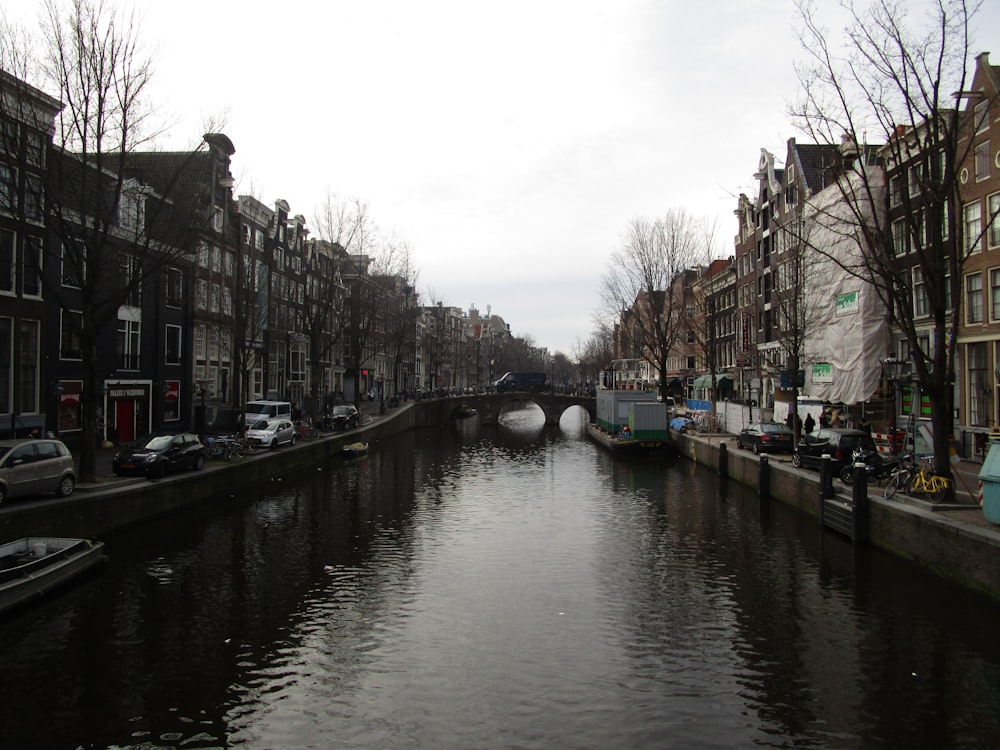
(764, 477)
(825, 482)
(826, 476)
(723, 460)
(861, 504)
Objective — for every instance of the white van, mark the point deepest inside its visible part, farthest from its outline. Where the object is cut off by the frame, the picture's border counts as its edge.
(258, 410)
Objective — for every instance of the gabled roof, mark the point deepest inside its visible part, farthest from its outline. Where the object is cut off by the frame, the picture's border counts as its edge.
(812, 161)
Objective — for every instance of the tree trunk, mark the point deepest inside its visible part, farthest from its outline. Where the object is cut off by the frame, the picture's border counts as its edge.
(89, 404)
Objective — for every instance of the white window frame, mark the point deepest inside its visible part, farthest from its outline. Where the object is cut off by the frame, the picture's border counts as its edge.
(921, 304)
(972, 222)
(973, 299)
(63, 333)
(173, 332)
(36, 245)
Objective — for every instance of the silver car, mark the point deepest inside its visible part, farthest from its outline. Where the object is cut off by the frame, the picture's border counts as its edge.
(34, 467)
(271, 433)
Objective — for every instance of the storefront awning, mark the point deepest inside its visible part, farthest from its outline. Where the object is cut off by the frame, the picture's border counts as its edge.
(721, 381)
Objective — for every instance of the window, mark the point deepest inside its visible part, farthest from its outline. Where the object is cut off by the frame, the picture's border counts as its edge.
(7, 280)
(131, 279)
(995, 294)
(973, 223)
(297, 362)
(34, 148)
(993, 206)
(979, 385)
(74, 266)
(34, 198)
(8, 192)
(173, 345)
(174, 287)
(217, 220)
(31, 275)
(974, 298)
(69, 339)
(129, 337)
(920, 305)
(132, 207)
(6, 358)
(29, 344)
(896, 190)
(899, 237)
(199, 342)
(982, 161)
(914, 181)
(981, 115)
(201, 295)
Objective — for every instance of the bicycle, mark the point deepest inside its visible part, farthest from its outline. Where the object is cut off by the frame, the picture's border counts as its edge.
(901, 478)
(305, 429)
(932, 486)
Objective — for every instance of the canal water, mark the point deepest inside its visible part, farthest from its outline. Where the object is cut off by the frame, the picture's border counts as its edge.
(507, 587)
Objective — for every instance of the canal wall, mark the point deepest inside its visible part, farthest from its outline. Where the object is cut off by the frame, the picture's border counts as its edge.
(958, 545)
(113, 504)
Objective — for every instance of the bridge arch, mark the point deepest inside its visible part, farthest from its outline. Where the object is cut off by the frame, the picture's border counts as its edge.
(489, 406)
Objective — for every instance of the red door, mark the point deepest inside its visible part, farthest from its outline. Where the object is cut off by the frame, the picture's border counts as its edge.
(125, 420)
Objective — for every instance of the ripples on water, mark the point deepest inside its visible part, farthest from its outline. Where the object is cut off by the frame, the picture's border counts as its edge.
(510, 587)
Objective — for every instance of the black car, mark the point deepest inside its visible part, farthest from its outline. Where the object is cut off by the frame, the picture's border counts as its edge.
(159, 455)
(837, 441)
(765, 436)
(345, 417)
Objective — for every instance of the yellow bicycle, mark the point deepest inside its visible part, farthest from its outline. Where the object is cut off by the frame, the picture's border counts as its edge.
(932, 486)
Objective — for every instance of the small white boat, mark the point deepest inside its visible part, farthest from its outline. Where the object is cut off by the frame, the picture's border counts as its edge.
(32, 566)
(355, 450)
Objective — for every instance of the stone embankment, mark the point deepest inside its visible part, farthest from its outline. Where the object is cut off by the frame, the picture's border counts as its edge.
(953, 541)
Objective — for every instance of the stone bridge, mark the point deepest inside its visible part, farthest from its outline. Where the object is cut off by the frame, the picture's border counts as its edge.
(489, 406)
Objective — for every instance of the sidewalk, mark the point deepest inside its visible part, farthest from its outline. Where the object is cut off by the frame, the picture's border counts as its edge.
(370, 412)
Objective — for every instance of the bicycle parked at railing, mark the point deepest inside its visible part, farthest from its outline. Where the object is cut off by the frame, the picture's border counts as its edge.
(304, 428)
(918, 479)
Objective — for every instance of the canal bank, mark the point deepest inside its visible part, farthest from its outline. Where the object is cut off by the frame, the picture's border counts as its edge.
(959, 545)
(954, 542)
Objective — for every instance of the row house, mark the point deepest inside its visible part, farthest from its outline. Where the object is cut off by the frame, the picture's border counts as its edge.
(712, 330)
(27, 395)
(977, 398)
(798, 310)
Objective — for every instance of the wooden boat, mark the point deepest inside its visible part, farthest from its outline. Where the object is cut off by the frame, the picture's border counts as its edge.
(355, 450)
(32, 566)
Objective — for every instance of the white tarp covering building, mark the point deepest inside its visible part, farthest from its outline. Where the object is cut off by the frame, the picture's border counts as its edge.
(849, 327)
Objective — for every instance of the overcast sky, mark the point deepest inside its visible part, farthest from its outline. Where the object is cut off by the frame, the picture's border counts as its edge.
(509, 144)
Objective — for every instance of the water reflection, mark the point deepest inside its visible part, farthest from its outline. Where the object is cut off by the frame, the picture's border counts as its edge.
(500, 586)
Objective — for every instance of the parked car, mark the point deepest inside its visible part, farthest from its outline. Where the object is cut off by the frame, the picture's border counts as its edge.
(271, 433)
(31, 467)
(158, 455)
(766, 436)
(345, 417)
(837, 441)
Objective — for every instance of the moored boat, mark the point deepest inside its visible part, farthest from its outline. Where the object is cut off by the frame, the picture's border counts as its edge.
(622, 443)
(32, 566)
(355, 450)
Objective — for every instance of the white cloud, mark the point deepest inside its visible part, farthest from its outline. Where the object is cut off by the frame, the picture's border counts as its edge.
(508, 143)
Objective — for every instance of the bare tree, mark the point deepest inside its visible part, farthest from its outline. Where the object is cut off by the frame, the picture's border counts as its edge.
(593, 355)
(890, 78)
(113, 232)
(645, 277)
